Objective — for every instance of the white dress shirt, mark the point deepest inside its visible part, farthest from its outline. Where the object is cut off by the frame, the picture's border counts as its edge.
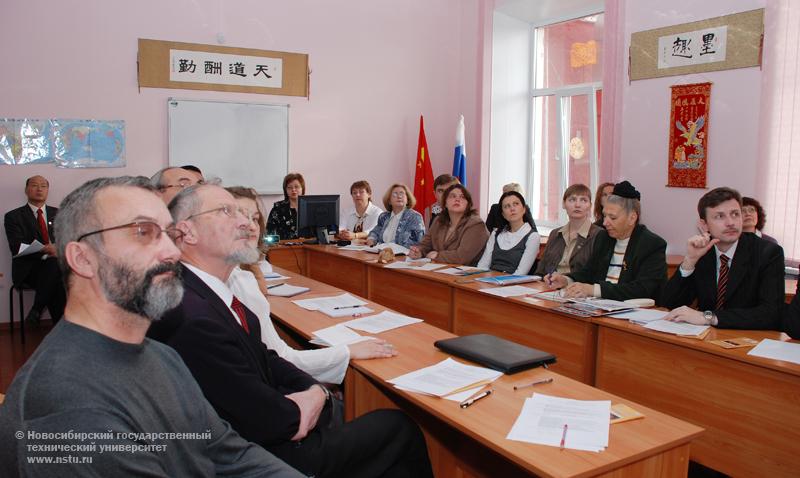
(350, 218)
(34, 209)
(507, 240)
(391, 227)
(326, 365)
(729, 253)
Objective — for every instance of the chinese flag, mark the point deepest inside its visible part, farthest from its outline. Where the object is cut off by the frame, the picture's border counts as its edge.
(423, 177)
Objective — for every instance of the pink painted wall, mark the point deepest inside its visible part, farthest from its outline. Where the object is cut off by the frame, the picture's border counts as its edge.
(376, 66)
(734, 122)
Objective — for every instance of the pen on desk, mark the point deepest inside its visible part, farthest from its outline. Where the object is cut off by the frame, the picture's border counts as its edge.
(540, 382)
(466, 403)
(347, 307)
(275, 285)
(563, 437)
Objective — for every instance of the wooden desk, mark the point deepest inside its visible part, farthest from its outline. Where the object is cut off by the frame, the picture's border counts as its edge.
(471, 442)
(749, 406)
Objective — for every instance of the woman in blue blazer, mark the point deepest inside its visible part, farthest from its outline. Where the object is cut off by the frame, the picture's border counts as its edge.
(400, 223)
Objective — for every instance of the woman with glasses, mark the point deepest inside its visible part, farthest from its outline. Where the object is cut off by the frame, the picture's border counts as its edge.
(458, 235)
(356, 223)
(283, 216)
(400, 224)
(326, 365)
(513, 245)
(754, 218)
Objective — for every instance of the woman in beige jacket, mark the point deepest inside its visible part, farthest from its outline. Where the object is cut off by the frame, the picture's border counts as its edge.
(458, 235)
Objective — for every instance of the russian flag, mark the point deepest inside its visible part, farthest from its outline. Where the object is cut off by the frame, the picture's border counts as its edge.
(460, 156)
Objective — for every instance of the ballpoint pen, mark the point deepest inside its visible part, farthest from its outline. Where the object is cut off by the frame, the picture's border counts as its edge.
(563, 437)
(540, 382)
(275, 285)
(347, 307)
(466, 403)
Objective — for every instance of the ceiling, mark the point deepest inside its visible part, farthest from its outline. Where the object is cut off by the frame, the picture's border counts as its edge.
(547, 11)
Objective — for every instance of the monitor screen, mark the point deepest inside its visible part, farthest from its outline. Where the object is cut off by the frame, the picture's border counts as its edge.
(318, 213)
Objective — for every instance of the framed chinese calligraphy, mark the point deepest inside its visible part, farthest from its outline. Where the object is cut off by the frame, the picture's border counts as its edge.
(688, 135)
(192, 66)
(721, 43)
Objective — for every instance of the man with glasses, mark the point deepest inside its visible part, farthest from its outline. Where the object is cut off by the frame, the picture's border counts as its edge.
(98, 398)
(24, 225)
(170, 181)
(265, 398)
(736, 278)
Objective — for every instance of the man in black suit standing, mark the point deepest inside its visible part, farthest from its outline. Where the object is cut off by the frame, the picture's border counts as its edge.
(736, 278)
(265, 398)
(34, 222)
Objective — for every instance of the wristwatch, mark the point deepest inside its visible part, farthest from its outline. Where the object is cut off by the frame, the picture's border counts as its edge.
(708, 316)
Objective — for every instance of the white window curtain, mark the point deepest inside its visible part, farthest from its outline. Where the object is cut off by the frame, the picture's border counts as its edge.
(779, 183)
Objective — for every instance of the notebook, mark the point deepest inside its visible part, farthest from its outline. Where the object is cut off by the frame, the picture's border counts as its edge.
(495, 353)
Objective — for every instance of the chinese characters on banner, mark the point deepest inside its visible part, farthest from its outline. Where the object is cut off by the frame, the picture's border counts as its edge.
(224, 69)
(688, 137)
(693, 48)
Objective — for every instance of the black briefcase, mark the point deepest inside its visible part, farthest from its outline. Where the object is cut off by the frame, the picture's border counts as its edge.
(496, 353)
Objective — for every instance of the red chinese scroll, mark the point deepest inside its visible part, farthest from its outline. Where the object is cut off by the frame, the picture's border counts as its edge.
(688, 135)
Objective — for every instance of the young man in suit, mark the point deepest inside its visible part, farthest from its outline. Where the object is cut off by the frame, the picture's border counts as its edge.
(34, 222)
(736, 278)
(97, 378)
(628, 261)
(265, 398)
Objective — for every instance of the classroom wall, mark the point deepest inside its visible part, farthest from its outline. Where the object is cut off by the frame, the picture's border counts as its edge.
(376, 66)
(733, 128)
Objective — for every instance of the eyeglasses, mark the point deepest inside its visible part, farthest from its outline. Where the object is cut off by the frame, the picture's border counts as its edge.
(749, 209)
(181, 184)
(147, 232)
(229, 211)
(399, 194)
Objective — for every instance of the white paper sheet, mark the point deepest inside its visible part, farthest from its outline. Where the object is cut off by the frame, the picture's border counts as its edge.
(461, 270)
(641, 316)
(396, 248)
(342, 300)
(347, 311)
(509, 291)
(275, 276)
(354, 247)
(777, 350)
(287, 290)
(386, 320)
(337, 335)
(445, 377)
(555, 296)
(413, 265)
(28, 249)
(677, 328)
(543, 418)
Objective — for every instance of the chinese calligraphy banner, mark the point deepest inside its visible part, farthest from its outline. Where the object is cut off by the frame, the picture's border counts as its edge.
(207, 67)
(721, 43)
(688, 135)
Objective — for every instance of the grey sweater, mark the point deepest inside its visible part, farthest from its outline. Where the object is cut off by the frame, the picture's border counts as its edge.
(93, 406)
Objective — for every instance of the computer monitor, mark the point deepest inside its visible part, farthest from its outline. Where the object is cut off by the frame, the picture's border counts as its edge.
(318, 213)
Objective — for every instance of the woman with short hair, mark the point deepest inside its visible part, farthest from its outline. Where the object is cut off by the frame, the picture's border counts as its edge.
(283, 216)
(400, 224)
(357, 222)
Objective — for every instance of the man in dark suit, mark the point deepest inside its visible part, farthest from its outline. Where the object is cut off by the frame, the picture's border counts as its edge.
(34, 222)
(736, 278)
(265, 398)
(791, 316)
(628, 261)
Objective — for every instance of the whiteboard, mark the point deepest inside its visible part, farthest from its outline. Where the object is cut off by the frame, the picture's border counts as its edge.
(242, 144)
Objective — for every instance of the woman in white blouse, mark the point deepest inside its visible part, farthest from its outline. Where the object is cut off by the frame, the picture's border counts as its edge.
(362, 218)
(512, 247)
(326, 365)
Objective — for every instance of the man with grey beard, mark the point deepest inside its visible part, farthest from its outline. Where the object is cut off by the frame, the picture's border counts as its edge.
(265, 398)
(98, 398)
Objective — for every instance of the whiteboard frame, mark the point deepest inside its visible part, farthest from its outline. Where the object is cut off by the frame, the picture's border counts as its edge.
(284, 163)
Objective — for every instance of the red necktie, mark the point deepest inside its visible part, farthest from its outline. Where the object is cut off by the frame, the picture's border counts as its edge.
(42, 226)
(722, 282)
(239, 308)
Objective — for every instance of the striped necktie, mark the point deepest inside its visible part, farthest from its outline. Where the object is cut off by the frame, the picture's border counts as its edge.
(237, 306)
(722, 282)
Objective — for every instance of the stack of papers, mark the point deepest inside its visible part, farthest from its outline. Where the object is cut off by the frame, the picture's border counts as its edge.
(386, 320)
(286, 290)
(418, 265)
(510, 291)
(354, 247)
(336, 306)
(336, 335)
(677, 328)
(777, 350)
(28, 249)
(445, 378)
(553, 295)
(462, 271)
(579, 424)
(509, 279)
(396, 248)
(641, 316)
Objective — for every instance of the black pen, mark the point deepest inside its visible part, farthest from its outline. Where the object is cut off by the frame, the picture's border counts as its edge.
(466, 403)
(275, 285)
(348, 307)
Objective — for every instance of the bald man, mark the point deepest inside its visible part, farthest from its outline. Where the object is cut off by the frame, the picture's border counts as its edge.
(24, 225)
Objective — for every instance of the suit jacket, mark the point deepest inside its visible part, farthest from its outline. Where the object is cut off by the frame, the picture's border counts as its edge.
(754, 296)
(584, 246)
(644, 267)
(791, 316)
(465, 246)
(21, 226)
(244, 381)
(410, 230)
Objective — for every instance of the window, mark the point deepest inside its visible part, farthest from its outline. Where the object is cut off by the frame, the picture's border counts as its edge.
(565, 127)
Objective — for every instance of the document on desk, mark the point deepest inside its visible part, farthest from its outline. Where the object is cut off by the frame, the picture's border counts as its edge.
(677, 328)
(414, 265)
(444, 378)
(386, 320)
(552, 295)
(396, 248)
(354, 247)
(275, 276)
(547, 420)
(509, 291)
(777, 350)
(286, 290)
(641, 316)
(461, 270)
(317, 303)
(337, 335)
(28, 249)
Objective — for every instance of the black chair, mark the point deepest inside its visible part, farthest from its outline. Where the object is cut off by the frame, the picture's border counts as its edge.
(20, 288)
